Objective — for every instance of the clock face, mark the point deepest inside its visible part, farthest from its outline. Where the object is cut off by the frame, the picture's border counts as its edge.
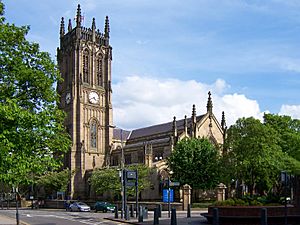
(68, 97)
(93, 97)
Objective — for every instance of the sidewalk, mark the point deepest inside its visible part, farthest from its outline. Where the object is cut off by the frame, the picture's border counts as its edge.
(7, 220)
(195, 219)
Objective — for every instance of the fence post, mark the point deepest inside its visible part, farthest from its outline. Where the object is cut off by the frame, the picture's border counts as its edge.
(140, 217)
(215, 216)
(189, 211)
(127, 217)
(159, 210)
(264, 216)
(131, 210)
(173, 217)
(116, 212)
(155, 219)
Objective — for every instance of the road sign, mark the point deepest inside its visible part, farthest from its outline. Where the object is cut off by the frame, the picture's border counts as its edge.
(174, 184)
(166, 195)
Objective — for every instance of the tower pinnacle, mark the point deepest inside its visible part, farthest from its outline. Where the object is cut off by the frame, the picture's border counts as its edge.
(70, 26)
(106, 28)
(209, 105)
(78, 17)
(93, 24)
(62, 27)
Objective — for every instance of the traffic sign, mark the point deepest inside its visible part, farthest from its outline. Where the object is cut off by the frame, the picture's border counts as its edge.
(174, 184)
(166, 195)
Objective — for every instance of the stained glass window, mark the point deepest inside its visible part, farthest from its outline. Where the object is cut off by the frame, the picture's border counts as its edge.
(99, 70)
(94, 134)
(86, 66)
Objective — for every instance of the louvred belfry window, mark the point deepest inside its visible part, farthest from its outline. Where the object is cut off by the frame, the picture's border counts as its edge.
(99, 70)
(86, 66)
(93, 134)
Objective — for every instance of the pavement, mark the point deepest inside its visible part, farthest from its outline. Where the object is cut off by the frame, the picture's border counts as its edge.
(5, 220)
(195, 219)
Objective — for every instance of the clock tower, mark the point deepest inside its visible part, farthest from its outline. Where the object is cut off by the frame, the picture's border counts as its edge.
(84, 59)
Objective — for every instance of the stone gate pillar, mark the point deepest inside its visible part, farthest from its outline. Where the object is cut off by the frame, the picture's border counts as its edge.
(187, 190)
(221, 192)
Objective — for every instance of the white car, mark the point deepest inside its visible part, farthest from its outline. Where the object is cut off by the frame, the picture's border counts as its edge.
(79, 206)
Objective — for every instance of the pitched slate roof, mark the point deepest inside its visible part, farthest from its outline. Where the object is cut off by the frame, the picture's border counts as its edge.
(160, 128)
(120, 134)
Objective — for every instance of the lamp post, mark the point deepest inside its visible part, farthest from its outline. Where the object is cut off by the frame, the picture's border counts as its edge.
(284, 180)
(15, 190)
(122, 174)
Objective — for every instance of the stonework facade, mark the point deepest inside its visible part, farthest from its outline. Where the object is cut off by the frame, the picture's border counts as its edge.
(84, 58)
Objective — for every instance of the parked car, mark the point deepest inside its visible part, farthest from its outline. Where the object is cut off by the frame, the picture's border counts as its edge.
(79, 206)
(104, 207)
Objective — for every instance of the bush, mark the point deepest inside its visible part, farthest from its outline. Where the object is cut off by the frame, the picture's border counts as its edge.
(201, 204)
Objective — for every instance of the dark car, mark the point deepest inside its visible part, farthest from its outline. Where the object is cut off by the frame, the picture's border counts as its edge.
(104, 207)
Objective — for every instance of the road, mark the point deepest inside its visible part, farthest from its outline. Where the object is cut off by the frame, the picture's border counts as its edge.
(59, 217)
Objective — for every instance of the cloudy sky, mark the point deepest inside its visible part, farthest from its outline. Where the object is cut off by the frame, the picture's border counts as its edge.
(168, 54)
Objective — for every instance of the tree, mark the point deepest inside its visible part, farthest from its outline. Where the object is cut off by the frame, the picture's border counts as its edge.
(289, 133)
(32, 135)
(195, 162)
(108, 179)
(254, 155)
(54, 181)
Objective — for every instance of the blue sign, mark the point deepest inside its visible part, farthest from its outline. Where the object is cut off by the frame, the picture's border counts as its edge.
(166, 195)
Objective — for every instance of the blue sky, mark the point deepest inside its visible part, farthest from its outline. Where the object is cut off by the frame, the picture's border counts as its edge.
(168, 54)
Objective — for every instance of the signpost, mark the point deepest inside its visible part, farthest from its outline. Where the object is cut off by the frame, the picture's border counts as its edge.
(168, 194)
(130, 180)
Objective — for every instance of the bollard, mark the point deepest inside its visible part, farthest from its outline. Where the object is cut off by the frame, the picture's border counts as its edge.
(189, 211)
(159, 210)
(140, 218)
(116, 212)
(155, 219)
(131, 210)
(215, 216)
(145, 212)
(173, 217)
(263, 216)
(127, 213)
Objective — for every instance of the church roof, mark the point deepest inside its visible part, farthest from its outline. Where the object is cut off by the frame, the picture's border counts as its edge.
(120, 134)
(160, 128)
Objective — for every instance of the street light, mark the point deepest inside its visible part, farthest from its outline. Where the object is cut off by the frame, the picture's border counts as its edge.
(122, 174)
(15, 190)
(122, 171)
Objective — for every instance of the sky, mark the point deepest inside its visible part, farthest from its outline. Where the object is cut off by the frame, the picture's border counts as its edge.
(168, 54)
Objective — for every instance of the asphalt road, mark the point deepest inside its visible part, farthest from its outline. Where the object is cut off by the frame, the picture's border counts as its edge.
(59, 217)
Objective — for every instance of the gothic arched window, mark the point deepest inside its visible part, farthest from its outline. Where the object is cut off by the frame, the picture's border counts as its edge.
(93, 134)
(99, 70)
(86, 66)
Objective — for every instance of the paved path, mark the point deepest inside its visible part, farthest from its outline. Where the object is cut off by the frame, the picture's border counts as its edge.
(5, 220)
(195, 219)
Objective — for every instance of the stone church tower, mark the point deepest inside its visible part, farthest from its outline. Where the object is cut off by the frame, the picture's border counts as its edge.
(84, 58)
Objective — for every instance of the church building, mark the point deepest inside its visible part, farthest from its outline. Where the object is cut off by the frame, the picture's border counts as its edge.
(84, 59)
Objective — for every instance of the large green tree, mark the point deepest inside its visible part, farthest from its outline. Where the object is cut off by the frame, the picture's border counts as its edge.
(254, 155)
(108, 179)
(289, 133)
(32, 135)
(195, 162)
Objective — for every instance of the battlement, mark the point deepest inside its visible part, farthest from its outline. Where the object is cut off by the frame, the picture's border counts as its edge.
(83, 33)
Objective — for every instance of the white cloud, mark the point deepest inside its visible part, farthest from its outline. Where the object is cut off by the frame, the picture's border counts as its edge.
(144, 101)
(290, 110)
